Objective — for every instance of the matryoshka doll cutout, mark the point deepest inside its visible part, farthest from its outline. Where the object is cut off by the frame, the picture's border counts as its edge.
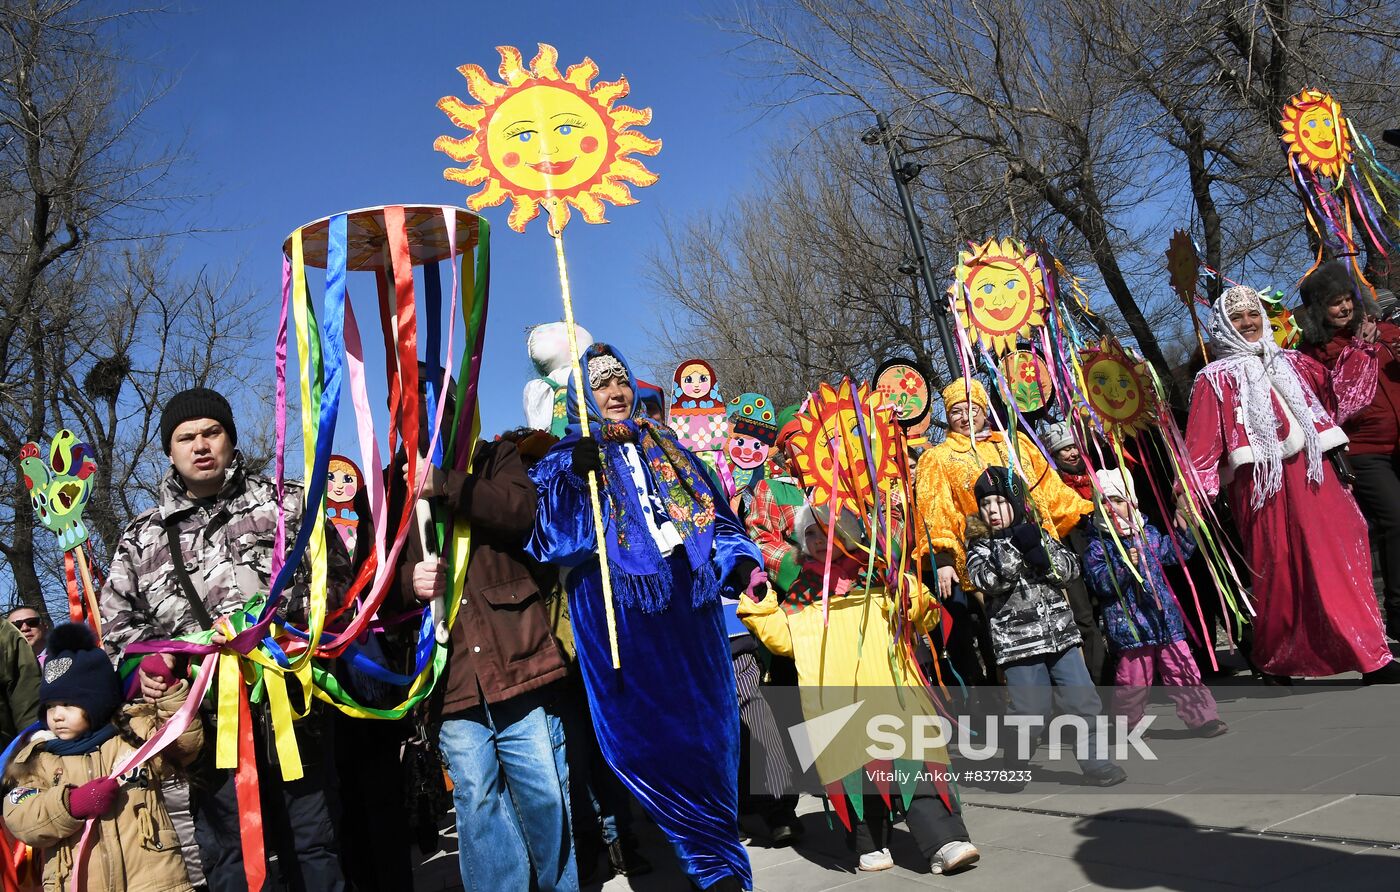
(698, 411)
(343, 481)
(752, 432)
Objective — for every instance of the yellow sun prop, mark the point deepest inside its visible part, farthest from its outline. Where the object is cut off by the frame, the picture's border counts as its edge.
(1183, 266)
(830, 439)
(542, 139)
(1316, 133)
(1000, 291)
(1118, 389)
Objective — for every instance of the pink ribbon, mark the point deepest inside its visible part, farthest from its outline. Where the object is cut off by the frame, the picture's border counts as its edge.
(158, 741)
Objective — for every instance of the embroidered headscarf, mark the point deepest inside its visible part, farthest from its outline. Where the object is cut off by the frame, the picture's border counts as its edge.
(1258, 370)
(639, 572)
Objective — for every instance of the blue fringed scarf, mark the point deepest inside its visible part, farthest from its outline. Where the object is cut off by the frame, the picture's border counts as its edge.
(641, 576)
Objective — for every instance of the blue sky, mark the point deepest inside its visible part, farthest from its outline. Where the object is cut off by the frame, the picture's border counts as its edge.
(293, 111)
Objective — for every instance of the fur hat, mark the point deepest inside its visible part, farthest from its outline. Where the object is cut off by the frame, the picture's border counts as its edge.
(1326, 282)
(77, 671)
(1317, 289)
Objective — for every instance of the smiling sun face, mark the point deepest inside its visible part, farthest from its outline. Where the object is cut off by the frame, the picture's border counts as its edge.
(1000, 292)
(1118, 390)
(828, 447)
(1315, 133)
(548, 140)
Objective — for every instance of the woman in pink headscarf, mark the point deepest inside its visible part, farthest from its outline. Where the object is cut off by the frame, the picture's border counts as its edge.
(1259, 429)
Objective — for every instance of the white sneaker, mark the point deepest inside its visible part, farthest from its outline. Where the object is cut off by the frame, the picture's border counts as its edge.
(955, 856)
(877, 860)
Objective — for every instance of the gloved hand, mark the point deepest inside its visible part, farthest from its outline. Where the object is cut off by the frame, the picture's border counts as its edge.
(155, 666)
(1027, 539)
(93, 799)
(586, 458)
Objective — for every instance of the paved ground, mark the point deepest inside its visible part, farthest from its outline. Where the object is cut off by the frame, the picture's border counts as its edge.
(1301, 795)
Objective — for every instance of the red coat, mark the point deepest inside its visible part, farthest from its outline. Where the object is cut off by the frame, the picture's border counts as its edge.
(1365, 379)
(1215, 432)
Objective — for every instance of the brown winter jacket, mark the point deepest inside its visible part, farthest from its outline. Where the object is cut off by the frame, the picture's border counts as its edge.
(134, 846)
(501, 643)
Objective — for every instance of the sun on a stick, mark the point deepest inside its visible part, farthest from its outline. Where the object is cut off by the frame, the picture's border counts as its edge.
(829, 448)
(1316, 133)
(546, 140)
(1001, 292)
(1119, 390)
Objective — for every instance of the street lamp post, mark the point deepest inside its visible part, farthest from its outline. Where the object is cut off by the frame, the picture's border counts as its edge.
(903, 174)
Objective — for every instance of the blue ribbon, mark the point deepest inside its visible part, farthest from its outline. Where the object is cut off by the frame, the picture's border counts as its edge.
(332, 325)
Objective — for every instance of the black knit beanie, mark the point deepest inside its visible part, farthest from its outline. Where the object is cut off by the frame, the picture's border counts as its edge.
(1005, 483)
(77, 671)
(1326, 282)
(197, 402)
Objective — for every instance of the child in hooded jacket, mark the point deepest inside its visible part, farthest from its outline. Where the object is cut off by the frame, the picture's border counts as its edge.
(1022, 572)
(61, 778)
(848, 652)
(1144, 622)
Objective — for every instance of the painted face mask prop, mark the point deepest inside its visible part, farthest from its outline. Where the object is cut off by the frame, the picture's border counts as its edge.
(1282, 325)
(1315, 133)
(59, 488)
(546, 140)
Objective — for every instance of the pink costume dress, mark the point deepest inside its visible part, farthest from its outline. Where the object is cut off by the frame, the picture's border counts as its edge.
(1316, 607)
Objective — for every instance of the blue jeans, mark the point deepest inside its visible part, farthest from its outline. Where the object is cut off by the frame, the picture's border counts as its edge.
(1029, 683)
(510, 784)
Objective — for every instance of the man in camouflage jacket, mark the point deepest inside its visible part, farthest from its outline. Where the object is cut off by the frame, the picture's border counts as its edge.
(225, 522)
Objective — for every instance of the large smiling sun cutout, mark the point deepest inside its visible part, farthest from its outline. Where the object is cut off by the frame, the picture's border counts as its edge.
(542, 139)
(1316, 133)
(1000, 292)
(1118, 389)
(829, 451)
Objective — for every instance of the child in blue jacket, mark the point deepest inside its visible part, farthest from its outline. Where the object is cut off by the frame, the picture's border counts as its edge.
(1144, 623)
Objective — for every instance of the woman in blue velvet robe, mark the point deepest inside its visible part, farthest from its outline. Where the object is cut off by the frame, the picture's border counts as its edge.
(668, 719)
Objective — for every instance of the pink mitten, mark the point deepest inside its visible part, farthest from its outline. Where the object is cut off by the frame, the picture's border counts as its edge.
(93, 799)
(758, 585)
(154, 666)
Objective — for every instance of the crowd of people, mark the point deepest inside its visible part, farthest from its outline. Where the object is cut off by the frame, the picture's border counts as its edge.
(561, 710)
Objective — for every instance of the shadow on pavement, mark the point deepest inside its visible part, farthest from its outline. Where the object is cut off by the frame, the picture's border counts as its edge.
(1152, 848)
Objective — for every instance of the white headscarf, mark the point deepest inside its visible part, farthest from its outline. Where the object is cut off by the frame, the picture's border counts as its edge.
(1257, 370)
(1119, 482)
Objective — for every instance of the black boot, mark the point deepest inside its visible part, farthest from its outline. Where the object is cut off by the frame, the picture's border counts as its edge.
(591, 867)
(626, 860)
(1387, 674)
